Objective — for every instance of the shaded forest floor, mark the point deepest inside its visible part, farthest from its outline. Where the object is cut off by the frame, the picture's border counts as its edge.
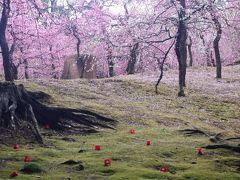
(210, 105)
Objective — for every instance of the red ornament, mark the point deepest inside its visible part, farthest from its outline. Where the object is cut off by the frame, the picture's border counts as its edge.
(14, 174)
(27, 159)
(15, 146)
(164, 169)
(132, 131)
(47, 126)
(107, 162)
(148, 142)
(200, 151)
(97, 147)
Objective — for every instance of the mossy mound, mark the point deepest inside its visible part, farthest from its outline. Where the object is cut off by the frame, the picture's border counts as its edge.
(31, 168)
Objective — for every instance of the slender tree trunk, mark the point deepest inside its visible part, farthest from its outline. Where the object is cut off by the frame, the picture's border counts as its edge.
(25, 62)
(7, 59)
(111, 68)
(212, 59)
(181, 49)
(216, 48)
(80, 59)
(110, 60)
(218, 28)
(53, 67)
(190, 52)
(133, 59)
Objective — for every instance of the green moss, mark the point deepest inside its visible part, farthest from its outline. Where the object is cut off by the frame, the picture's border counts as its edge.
(31, 168)
(154, 117)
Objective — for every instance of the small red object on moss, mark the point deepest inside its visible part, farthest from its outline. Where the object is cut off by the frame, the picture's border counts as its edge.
(148, 142)
(107, 162)
(46, 126)
(27, 159)
(200, 151)
(164, 169)
(15, 146)
(14, 174)
(97, 147)
(132, 131)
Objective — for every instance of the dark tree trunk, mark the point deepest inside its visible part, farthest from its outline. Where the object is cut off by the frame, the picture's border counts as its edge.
(111, 68)
(216, 47)
(133, 59)
(53, 67)
(9, 70)
(181, 49)
(218, 28)
(190, 52)
(110, 62)
(161, 66)
(17, 105)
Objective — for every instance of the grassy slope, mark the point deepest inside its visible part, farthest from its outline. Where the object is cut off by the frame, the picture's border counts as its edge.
(154, 117)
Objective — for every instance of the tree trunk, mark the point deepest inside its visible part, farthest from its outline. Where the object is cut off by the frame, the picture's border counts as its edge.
(190, 52)
(212, 59)
(208, 55)
(133, 59)
(25, 62)
(18, 107)
(181, 49)
(218, 28)
(111, 68)
(9, 70)
(216, 48)
(110, 60)
(53, 67)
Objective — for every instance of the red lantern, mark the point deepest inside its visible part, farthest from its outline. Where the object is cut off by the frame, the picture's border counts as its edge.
(27, 159)
(14, 174)
(107, 162)
(148, 142)
(47, 126)
(132, 131)
(164, 169)
(200, 151)
(97, 147)
(15, 146)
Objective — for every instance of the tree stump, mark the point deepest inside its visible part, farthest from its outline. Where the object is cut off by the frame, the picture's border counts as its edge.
(18, 106)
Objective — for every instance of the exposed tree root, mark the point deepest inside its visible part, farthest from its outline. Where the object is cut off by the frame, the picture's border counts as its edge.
(215, 138)
(18, 105)
(223, 146)
(212, 137)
